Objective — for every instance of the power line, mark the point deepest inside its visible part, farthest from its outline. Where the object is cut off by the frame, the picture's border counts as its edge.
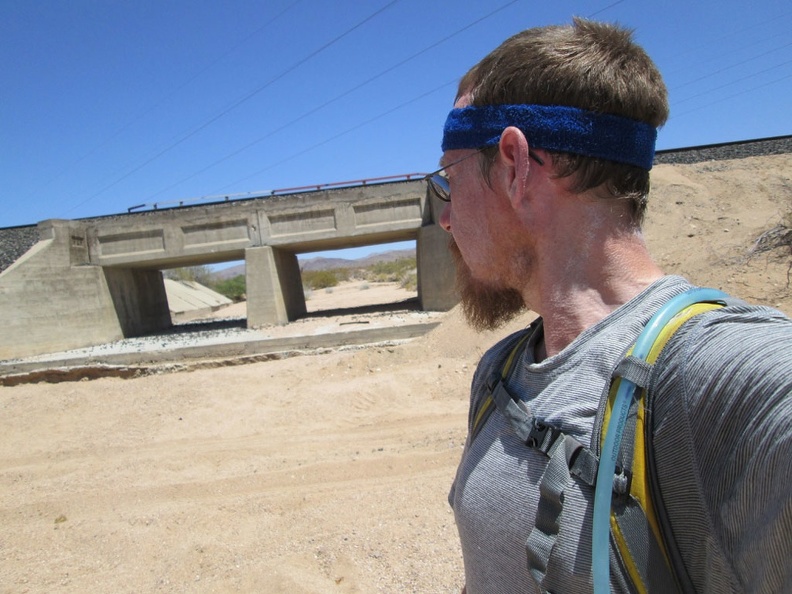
(339, 135)
(136, 118)
(751, 59)
(314, 110)
(722, 99)
(732, 82)
(326, 141)
(730, 36)
(601, 10)
(333, 100)
(236, 104)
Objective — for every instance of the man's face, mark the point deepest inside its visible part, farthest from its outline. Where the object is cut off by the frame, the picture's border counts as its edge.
(480, 223)
(472, 216)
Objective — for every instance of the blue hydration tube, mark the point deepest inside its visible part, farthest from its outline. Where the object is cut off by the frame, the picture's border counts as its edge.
(600, 541)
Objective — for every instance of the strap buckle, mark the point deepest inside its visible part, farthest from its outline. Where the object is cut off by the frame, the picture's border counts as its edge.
(537, 437)
(622, 483)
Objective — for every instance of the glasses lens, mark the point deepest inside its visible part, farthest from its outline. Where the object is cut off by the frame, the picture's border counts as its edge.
(440, 187)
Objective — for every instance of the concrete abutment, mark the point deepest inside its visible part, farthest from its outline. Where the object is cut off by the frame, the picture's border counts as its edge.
(52, 300)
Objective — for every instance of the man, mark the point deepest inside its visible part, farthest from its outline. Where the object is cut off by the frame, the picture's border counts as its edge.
(546, 169)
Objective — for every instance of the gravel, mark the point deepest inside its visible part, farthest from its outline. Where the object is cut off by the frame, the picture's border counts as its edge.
(780, 145)
(14, 242)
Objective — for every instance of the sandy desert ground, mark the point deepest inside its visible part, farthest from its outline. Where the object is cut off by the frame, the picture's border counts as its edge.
(325, 473)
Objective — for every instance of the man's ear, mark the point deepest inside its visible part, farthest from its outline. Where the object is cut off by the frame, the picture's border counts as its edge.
(515, 163)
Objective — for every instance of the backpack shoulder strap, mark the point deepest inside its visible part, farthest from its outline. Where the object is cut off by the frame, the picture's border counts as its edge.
(633, 519)
(502, 372)
(567, 457)
(653, 483)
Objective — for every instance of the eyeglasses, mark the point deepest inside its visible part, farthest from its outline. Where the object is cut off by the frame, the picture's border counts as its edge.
(439, 182)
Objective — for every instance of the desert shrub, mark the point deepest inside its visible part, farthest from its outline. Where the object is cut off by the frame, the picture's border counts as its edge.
(390, 272)
(319, 279)
(779, 236)
(409, 281)
(233, 288)
(400, 271)
(199, 274)
(343, 274)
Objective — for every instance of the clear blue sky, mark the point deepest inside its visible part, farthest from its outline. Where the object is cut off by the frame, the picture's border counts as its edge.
(108, 104)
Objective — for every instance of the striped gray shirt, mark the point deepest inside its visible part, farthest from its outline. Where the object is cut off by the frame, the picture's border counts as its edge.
(731, 372)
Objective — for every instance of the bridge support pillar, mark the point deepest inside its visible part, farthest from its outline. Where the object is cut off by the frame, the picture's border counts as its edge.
(436, 270)
(274, 287)
(139, 299)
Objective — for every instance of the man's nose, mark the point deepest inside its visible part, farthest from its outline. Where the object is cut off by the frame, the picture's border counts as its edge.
(445, 217)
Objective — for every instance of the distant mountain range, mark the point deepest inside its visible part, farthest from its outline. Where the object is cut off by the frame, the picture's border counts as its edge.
(327, 263)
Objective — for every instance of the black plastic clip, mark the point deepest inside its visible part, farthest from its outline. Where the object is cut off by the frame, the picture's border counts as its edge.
(537, 436)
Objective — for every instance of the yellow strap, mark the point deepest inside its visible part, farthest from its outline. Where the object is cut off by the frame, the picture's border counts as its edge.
(482, 413)
(488, 403)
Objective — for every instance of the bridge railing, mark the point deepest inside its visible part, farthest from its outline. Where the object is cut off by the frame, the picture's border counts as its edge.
(281, 191)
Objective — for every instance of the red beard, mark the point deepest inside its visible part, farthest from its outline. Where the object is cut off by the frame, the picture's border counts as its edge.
(485, 307)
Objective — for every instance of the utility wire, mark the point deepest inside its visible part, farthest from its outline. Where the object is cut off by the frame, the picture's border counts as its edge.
(331, 101)
(219, 191)
(735, 65)
(732, 82)
(722, 99)
(601, 10)
(733, 49)
(324, 142)
(344, 94)
(236, 104)
(730, 36)
(339, 135)
(335, 99)
(137, 117)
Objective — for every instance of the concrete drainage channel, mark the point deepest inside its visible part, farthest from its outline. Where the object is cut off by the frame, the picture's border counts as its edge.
(152, 355)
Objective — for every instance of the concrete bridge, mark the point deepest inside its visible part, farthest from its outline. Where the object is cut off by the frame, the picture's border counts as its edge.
(92, 281)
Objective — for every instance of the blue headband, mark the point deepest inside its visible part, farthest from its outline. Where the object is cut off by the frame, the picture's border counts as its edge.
(555, 128)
